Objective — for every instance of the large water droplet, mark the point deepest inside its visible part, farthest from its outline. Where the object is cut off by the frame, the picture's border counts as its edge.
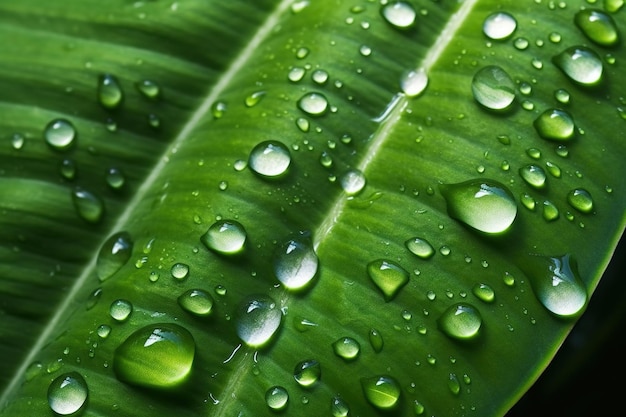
(88, 205)
(347, 348)
(581, 200)
(556, 283)
(67, 393)
(493, 88)
(270, 159)
(113, 254)
(581, 64)
(383, 391)
(276, 398)
(399, 14)
(313, 104)
(60, 134)
(295, 262)
(420, 247)
(197, 302)
(414, 82)
(227, 237)
(258, 318)
(598, 26)
(499, 26)
(460, 321)
(555, 124)
(388, 277)
(156, 356)
(110, 93)
(485, 205)
(307, 373)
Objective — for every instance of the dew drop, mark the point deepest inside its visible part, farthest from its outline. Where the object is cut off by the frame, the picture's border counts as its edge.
(180, 271)
(454, 385)
(313, 104)
(493, 88)
(276, 398)
(67, 393)
(158, 356)
(197, 302)
(218, 109)
(226, 237)
(613, 6)
(598, 26)
(399, 14)
(110, 94)
(555, 124)
(376, 340)
(353, 181)
(582, 65)
(562, 96)
(295, 262)
(339, 407)
(115, 178)
(258, 319)
(88, 205)
(484, 292)
(17, 141)
(149, 89)
(270, 159)
(60, 134)
(307, 373)
(499, 26)
(550, 211)
(460, 321)
(388, 277)
(254, 98)
(581, 200)
(347, 348)
(120, 310)
(382, 391)
(103, 331)
(533, 175)
(420, 247)
(414, 82)
(553, 169)
(113, 255)
(484, 205)
(319, 76)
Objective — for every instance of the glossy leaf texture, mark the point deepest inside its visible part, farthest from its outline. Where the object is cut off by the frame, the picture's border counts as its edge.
(301, 207)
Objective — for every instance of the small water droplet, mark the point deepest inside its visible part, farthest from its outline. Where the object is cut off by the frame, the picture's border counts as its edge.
(376, 340)
(313, 104)
(484, 292)
(67, 393)
(499, 26)
(555, 124)
(258, 319)
(307, 373)
(149, 89)
(197, 302)
(347, 348)
(533, 175)
(521, 43)
(88, 205)
(17, 141)
(553, 169)
(115, 178)
(180, 271)
(382, 391)
(493, 88)
(399, 14)
(414, 82)
(113, 254)
(103, 331)
(581, 200)
(420, 247)
(254, 98)
(295, 262)
(562, 96)
(110, 94)
(60, 134)
(550, 211)
(120, 310)
(388, 277)
(156, 356)
(226, 237)
(270, 159)
(581, 64)
(339, 407)
(484, 205)
(218, 109)
(460, 321)
(277, 398)
(598, 26)
(353, 181)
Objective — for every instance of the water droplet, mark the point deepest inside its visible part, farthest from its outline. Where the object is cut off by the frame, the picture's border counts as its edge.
(534, 176)
(555, 124)
(581, 64)
(120, 310)
(218, 109)
(226, 237)
(149, 89)
(460, 321)
(339, 407)
(103, 331)
(319, 76)
(180, 271)
(296, 74)
(484, 205)
(553, 169)
(399, 14)
(156, 356)
(376, 340)
(110, 93)
(67, 393)
(598, 26)
(499, 26)
(88, 205)
(484, 292)
(270, 159)
(60, 134)
(556, 283)
(113, 254)
(454, 385)
(613, 6)
(414, 82)
(353, 181)
(493, 88)
(562, 96)
(347, 348)
(388, 277)
(521, 43)
(258, 318)
(420, 247)
(307, 373)
(17, 141)
(295, 262)
(197, 302)
(550, 211)
(254, 98)
(115, 178)
(277, 398)
(313, 104)
(581, 200)
(383, 391)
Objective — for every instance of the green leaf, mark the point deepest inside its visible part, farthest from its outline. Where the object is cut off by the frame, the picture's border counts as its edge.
(307, 207)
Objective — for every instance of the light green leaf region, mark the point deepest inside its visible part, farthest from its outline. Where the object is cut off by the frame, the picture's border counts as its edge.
(130, 128)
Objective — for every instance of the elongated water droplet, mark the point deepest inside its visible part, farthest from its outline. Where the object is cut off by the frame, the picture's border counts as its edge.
(499, 26)
(581, 200)
(313, 104)
(307, 373)
(347, 348)
(149, 89)
(120, 310)
(555, 124)
(557, 284)
(88, 205)
(420, 247)
(60, 134)
(460, 321)
(254, 98)
(156, 356)
(454, 385)
(493, 88)
(376, 340)
(534, 175)
(414, 82)
(258, 319)
(613, 6)
(110, 94)
(485, 205)
(270, 159)
(582, 65)
(484, 292)
(113, 255)
(295, 262)
(598, 26)
(388, 277)
(197, 302)
(226, 237)
(67, 393)
(277, 398)
(399, 14)
(339, 407)
(382, 391)
(550, 211)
